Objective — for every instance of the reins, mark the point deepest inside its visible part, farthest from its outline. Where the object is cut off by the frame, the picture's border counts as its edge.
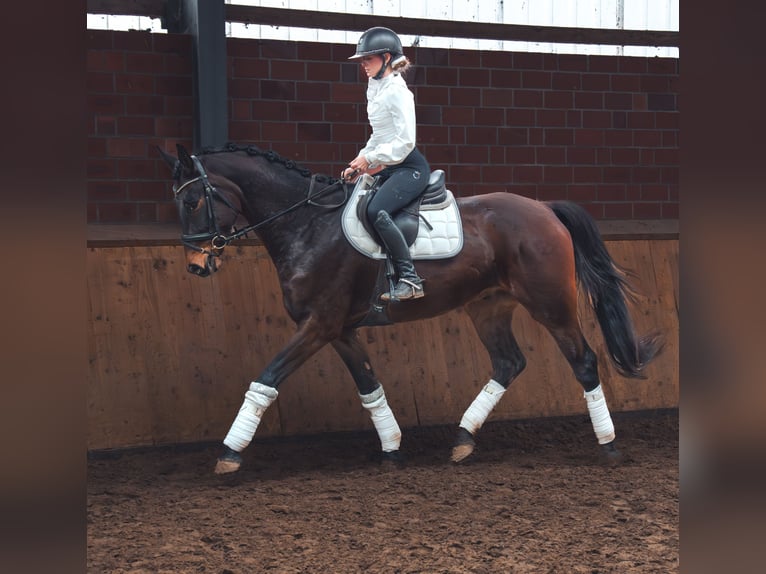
(219, 240)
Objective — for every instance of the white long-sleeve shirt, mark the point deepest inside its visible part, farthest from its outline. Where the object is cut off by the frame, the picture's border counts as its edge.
(391, 113)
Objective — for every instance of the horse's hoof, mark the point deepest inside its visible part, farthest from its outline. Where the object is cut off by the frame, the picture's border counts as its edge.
(464, 445)
(610, 455)
(228, 462)
(391, 459)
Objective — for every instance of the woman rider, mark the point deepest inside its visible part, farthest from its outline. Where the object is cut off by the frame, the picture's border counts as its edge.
(390, 152)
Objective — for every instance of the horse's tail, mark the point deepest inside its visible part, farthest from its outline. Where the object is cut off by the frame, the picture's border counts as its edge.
(605, 284)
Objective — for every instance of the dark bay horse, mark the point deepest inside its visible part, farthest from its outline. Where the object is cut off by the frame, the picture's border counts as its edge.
(516, 251)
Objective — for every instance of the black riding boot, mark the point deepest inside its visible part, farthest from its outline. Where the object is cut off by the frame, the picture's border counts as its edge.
(409, 285)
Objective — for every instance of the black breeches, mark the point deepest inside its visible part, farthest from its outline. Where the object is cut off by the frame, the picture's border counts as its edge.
(403, 183)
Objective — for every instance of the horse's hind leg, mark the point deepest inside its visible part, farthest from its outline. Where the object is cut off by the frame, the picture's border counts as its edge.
(564, 326)
(371, 393)
(492, 316)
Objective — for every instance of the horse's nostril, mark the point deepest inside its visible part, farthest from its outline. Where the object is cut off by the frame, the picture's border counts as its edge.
(197, 270)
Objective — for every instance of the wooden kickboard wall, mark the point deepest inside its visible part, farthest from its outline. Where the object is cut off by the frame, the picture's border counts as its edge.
(171, 354)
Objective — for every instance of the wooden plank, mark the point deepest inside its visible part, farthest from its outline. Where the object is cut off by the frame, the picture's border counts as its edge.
(171, 354)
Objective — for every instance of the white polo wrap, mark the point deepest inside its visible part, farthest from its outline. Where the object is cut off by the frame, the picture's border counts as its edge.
(599, 415)
(481, 406)
(383, 419)
(257, 400)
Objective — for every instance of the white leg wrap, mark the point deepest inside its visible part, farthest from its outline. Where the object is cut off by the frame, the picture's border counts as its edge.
(383, 419)
(599, 415)
(481, 406)
(257, 400)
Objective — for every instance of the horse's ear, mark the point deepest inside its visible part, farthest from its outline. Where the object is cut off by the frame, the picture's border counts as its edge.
(184, 157)
(169, 158)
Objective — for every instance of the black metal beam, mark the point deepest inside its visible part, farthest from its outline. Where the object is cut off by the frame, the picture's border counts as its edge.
(204, 20)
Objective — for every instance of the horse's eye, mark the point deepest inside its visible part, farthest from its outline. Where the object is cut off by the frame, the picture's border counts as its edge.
(190, 204)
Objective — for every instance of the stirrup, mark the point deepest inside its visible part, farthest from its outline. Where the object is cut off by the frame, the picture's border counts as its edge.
(402, 293)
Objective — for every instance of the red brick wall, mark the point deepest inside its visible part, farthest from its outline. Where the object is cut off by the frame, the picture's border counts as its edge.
(600, 130)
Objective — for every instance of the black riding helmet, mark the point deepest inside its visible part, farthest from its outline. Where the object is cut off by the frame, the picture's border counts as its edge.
(379, 40)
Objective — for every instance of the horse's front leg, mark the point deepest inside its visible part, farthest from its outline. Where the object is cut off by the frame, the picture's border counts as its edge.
(371, 393)
(262, 392)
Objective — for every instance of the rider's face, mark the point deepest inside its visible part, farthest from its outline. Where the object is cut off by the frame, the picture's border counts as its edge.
(372, 64)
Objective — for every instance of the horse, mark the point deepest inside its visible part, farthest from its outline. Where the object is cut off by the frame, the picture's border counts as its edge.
(516, 251)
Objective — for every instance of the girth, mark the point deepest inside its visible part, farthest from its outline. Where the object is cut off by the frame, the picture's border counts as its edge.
(408, 218)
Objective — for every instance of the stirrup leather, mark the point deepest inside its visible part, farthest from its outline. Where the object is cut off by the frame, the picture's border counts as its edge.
(402, 293)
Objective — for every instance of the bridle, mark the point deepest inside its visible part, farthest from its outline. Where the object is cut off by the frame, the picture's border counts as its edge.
(218, 239)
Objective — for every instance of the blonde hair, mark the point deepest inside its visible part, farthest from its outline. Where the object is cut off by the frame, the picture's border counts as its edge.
(401, 64)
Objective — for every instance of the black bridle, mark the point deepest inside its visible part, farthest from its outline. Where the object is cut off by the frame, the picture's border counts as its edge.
(218, 239)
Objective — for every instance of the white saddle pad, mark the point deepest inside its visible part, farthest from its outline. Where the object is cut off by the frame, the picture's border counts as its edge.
(444, 240)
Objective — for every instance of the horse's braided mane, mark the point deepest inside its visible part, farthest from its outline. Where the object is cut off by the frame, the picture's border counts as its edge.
(270, 155)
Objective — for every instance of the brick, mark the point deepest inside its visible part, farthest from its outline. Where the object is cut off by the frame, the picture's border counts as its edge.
(647, 210)
(520, 117)
(432, 95)
(495, 59)
(655, 84)
(473, 77)
(667, 156)
(125, 147)
(527, 173)
(654, 192)
(313, 132)
(134, 84)
(133, 41)
(269, 110)
(105, 104)
(550, 118)
(495, 98)
(99, 39)
(558, 100)
(473, 154)
(245, 131)
(459, 116)
(597, 119)
(571, 62)
(669, 210)
(589, 137)
(611, 193)
(481, 135)
(616, 174)
(278, 131)
(304, 111)
(342, 112)
(146, 212)
(288, 70)
(105, 61)
(441, 154)
(632, 65)
(587, 174)
(664, 102)
(595, 82)
(520, 155)
(278, 50)
(646, 174)
(579, 193)
(557, 174)
(618, 210)
(589, 100)
(603, 64)
(135, 125)
(625, 82)
(106, 191)
(535, 79)
(617, 101)
(144, 63)
(579, 155)
(442, 77)
(117, 212)
(489, 117)
(465, 96)
(464, 59)
(323, 71)
(573, 118)
(240, 109)
(173, 126)
(566, 82)
(551, 192)
(545, 155)
(641, 120)
(315, 51)
(137, 168)
(155, 191)
(513, 136)
(357, 134)
(505, 79)
(429, 115)
(99, 82)
(497, 174)
(100, 168)
(625, 156)
(618, 138)
(527, 60)
(249, 68)
(527, 98)
(347, 93)
(142, 104)
(277, 90)
(667, 120)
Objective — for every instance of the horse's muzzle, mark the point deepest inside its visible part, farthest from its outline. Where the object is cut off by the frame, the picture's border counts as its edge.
(202, 264)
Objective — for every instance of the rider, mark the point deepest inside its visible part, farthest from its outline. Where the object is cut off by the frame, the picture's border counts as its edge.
(390, 152)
